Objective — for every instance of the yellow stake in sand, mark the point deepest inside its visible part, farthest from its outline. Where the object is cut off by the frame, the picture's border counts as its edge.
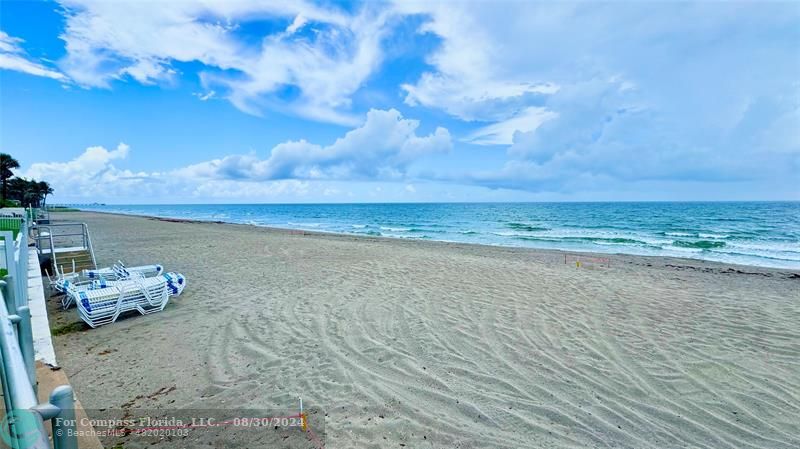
(303, 421)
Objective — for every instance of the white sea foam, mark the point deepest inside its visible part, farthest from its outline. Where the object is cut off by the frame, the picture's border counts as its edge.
(679, 234)
(305, 225)
(713, 236)
(767, 235)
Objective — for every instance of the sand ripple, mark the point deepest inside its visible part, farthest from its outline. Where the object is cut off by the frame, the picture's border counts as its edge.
(446, 346)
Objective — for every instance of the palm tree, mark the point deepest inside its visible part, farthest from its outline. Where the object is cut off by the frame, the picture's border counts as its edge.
(18, 189)
(7, 163)
(43, 189)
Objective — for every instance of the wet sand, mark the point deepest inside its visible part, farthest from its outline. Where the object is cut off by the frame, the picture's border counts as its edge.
(413, 344)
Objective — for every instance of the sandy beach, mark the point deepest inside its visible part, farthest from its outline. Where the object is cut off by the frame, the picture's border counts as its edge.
(400, 343)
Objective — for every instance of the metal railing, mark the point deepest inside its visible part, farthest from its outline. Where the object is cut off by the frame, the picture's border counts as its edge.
(67, 234)
(41, 215)
(23, 424)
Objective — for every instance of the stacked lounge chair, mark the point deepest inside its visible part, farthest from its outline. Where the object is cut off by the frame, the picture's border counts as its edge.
(98, 306)
(119, 271)
(114, 272)
(103, 295)
(62, 278)
(175, 281)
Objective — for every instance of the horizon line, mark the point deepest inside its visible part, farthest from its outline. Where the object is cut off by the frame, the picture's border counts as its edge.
(78, 205)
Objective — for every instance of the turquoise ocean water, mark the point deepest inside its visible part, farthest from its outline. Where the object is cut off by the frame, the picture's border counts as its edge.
(749, 233)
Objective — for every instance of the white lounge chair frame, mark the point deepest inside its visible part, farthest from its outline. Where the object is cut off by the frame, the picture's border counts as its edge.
(146, 295)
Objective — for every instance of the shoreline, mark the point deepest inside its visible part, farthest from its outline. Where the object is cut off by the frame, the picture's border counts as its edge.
(645, 260)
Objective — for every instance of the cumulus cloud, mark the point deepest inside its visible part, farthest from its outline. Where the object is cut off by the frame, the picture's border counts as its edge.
(326, 54)
(623, 91)
(93, 163)
(12, 57)
(91, 173)
(606, 136)
(477, 76)
(382, 148)
(94, 175)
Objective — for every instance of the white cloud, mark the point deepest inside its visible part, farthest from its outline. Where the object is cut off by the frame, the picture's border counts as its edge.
(475, 76)
(12, 57)
(298, 23)
(94, 176)
(689, 92)
(502, 133)
(238, 190)
(205, 96)
(473, 98)
(382, 148)
(607, 139)
(94, 162)
(326, 53)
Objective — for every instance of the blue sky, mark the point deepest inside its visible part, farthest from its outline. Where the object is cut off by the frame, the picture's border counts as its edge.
(254, 101)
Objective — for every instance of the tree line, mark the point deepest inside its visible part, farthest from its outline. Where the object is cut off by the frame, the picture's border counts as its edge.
(17, 191)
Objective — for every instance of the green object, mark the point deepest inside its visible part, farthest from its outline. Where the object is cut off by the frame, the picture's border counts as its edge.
(11, 224)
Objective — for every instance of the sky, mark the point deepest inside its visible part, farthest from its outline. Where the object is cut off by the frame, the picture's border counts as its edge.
(246, 101)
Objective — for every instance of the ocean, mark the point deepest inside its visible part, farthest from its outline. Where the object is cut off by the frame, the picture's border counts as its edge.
(750, 233)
